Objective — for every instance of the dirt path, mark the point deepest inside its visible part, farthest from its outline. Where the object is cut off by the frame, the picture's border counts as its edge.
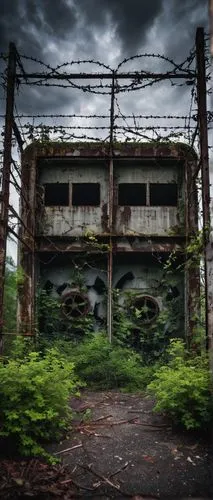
(124, 450)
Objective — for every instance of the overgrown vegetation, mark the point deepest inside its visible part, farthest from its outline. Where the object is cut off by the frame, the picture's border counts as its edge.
(107, 366)
(36, 386)
(34, 395)
(182, 388)
(53, 324)
(10, 296)
(149, 340)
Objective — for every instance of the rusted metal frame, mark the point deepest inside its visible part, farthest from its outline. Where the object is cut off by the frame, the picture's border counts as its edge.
(26, 296)
(19, 188)
(11, 78)
(192, 273)
(47, 245)
(13, 211)
(211, 25)
(10, 230)
(18, 137)
(203, 132)
(15, 167)
(110, 211)
(131, 75)
(197, 170)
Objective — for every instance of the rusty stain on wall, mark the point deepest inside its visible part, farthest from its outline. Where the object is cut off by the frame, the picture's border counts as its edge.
(141, 235)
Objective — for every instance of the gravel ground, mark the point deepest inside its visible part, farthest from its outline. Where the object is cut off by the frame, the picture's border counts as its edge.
(123, 450)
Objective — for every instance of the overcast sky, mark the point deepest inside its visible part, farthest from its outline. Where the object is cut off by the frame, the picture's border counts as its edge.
(105, 29)
(56, 31)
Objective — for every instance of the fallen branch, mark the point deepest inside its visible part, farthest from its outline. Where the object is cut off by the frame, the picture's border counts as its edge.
(101, 418)
(105, 424)
(67, 481)
(119, 470)
(106, 480)
(68, 449)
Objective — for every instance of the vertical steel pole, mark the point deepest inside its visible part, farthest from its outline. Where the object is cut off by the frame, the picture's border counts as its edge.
(203, 130)
(110, 211)
(211, 25)
(5, 184)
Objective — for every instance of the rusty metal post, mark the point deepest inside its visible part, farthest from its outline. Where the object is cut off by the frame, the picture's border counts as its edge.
(211, 25)
(203, 130)
(5, 184)
(110, 211)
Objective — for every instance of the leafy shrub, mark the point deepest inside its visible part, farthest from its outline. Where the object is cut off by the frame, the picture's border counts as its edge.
(106, 366)
(34, 396)
(181, 388)
(149, 340)
(53, 324)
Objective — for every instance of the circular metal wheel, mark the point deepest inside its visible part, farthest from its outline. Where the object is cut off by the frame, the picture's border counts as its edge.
(75, 304)
(148, 308)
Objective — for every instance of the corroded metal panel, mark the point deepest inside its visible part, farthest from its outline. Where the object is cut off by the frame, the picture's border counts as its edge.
(155, 221)
(146, 233)
(101, 150)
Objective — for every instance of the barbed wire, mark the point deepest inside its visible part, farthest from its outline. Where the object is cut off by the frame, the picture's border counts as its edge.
(101, 88)
(125, 126)
(43, 127)
(94, 89)
(55, 70)
(133, 116)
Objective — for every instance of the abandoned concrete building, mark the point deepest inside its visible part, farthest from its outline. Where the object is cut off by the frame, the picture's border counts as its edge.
(101, 223)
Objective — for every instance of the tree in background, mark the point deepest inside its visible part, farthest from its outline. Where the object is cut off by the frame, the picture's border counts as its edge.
(10, 296)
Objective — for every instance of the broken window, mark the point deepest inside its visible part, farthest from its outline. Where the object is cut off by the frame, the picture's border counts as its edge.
(86, 193)
(56, 194)
(163, 195)
(132, 194)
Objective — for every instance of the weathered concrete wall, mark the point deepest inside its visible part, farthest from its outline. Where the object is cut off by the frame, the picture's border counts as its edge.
(76, 220)
(136, 275)
(141, 234)
(142, 220)
(148, 220)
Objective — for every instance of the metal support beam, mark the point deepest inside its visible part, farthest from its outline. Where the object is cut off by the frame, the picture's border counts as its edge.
(11, 77)
(18, 137)
(110, 211)
(135, 75)
(203, 131)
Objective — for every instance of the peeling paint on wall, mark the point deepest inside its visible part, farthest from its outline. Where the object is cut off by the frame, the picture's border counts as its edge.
(142, 234)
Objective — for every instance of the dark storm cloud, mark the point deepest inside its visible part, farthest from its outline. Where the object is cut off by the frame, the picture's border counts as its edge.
(31, 24)
(27, 21)
(181, 19)
(132, 19)
(74, 29)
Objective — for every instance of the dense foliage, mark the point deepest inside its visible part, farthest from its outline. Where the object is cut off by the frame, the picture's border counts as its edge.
(34, 395)
(35, 386)
(106, 366)
(10, 296)
(182, 388)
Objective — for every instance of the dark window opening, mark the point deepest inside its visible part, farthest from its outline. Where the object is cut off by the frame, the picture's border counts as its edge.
(163, 195)
(132, 194)
(56, 194)
(86, 193)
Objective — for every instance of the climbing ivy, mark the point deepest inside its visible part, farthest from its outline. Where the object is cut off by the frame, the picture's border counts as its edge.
(152, 339)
